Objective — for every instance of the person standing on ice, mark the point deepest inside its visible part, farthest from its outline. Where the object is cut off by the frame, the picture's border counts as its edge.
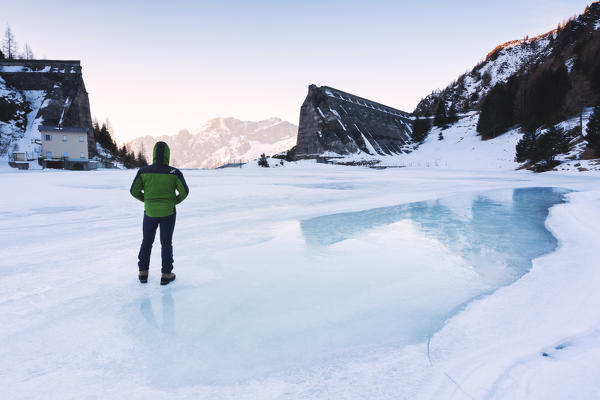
(160, 187)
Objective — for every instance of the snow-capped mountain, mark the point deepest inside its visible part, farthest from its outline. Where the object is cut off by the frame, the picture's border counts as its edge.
(222, 140)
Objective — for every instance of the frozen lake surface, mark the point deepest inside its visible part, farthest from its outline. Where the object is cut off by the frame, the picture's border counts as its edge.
(340, 286)
(292, 283)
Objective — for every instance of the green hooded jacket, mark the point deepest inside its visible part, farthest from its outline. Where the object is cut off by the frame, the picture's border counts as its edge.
(159, 186)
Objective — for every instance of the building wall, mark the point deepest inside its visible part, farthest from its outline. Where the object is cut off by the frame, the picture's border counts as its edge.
(73, 145)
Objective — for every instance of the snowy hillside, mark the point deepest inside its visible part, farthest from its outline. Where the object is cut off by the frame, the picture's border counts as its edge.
(499, 65)
(460, 148)
(223, 140)
(511, 58)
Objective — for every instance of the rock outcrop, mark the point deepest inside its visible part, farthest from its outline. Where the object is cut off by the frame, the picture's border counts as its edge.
(51, 92)
(333, 122)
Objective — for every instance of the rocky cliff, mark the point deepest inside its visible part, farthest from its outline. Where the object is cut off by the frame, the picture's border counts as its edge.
(221, 141)
(33, 92)
(333, 122)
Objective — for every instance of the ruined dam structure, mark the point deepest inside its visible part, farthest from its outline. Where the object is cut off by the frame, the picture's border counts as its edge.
(334, 123)
(48, 92)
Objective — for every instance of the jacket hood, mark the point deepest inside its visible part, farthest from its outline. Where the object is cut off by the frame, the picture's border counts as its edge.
(161, 154)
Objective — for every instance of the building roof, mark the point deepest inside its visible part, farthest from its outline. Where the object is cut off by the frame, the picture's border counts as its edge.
(38, 61)
(68, 129)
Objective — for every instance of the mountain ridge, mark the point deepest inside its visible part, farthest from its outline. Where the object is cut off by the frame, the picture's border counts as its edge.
(514, 57)
(222, 140)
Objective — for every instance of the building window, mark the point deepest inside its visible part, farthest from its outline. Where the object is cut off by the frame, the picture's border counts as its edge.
(48, 137)
(48, 154)
(82, 155)
(66, 154)
(64, 138)
(81, 138)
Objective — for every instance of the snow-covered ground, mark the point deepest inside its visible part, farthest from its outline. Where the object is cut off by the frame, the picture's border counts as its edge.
(459, 147)
(301, 282)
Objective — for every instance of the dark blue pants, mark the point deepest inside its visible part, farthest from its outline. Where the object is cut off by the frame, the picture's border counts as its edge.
(167, 226)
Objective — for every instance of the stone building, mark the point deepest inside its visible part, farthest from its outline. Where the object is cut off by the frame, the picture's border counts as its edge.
(333, 122)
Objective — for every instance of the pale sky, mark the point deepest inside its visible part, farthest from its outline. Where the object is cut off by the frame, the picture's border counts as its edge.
(154, 67)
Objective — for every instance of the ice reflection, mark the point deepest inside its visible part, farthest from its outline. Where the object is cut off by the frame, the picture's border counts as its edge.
(168, 313)
(502, 226)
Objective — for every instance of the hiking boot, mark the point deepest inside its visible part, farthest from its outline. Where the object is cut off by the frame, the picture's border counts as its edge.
(143, 275)
(166, 278)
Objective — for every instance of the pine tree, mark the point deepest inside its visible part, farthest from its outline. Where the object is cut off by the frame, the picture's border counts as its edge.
(421, 127)
(127, 158)
(550, 144)
(27, 52)
(262, 161)
(497, 109)
(130, 160)
(441, 117)
(542, 96)
(122, 153)
(525, 147)
(141, 160)
(593, 131)
(104, 138)
(9, 44)
(452, 115)
(142, 154)
(580, 94)
(544, 147)
(561, 140)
